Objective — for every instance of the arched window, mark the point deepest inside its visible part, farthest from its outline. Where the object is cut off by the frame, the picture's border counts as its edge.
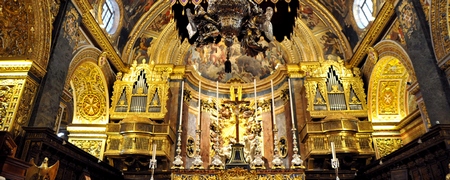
(362, 11)
(110, 16)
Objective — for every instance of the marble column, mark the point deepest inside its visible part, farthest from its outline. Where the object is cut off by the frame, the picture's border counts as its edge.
(267, 127)
(205, 138)
(433, 85)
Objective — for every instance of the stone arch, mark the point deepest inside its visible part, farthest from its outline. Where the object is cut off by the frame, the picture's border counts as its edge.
(90, 94)
(387, 91)
(88, 53)
(394, 49)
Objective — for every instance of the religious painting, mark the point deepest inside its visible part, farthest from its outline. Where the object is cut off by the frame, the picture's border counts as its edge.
(209, 62)
(337, 7)
(71, 25)
(331, 48)
(141, 47)
(307, 14)
(396, 33)
(134, 10)
(160, 22)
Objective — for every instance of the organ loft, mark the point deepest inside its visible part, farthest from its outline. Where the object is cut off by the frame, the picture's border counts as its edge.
(224, 89)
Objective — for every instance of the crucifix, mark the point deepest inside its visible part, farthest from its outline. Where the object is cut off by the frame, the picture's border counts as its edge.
(237, 105)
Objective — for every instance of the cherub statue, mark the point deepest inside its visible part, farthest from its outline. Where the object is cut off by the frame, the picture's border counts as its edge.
(42, 172)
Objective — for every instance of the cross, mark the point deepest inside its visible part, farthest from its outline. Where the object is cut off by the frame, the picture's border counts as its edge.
(236, 105)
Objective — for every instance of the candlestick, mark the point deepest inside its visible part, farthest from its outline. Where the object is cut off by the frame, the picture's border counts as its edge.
(181, 103)
(216, 161)
(297, 162)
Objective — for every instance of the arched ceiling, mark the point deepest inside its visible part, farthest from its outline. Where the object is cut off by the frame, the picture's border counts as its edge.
(323, 30)
(148, 18)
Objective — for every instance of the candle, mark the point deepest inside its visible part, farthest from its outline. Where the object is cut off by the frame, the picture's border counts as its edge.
(199, 101)
(273, 104)
(181, 102)
(154, 152)
(290, 101)
(217, 99)
(254, 89)
(333, 152)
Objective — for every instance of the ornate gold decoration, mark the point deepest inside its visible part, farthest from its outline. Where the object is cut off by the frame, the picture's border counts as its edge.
(331, 87)
(392, 49)
(265, 105)
(99, 35)
(14, 30)
(237, 173)
(27, 97)
(88, 54)
(16, 96)
(349, 134)
(386, 12)
(91, 146)
(143, 90)
(440, 30)
(283, 147)
(386, 146)
(295, 71)
(44, 171)
(89, 87)
(5, 99)
(134, 136)
(178, 72)
(190, 147)
(386, 90)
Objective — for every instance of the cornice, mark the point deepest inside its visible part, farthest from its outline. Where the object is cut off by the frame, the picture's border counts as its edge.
(374, 32)
(99, 35)
(21, 68)
(278, 78)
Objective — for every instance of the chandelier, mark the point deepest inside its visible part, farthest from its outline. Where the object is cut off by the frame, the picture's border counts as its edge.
(244, 21)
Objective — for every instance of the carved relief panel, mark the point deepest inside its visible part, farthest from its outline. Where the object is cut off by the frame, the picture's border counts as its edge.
(16, 98)
(90, 94)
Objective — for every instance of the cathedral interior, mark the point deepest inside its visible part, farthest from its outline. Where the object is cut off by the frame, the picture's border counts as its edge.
(224, 89)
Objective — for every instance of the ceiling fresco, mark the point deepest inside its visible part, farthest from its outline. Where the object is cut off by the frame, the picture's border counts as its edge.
(138, 39)
(208, 61)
